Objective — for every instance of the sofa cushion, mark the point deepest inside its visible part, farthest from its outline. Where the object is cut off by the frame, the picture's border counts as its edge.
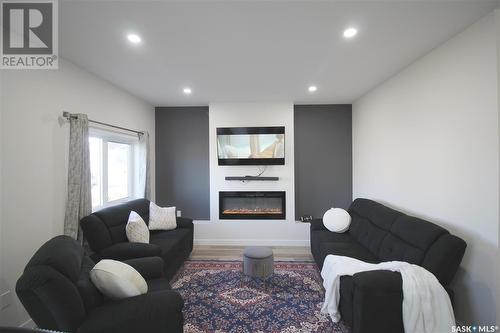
(416, 232)
(117, 279)
(141, 206)
(322, 236)
(319, 237)
(161, 218)
(337, 220)
(395, 249)
(126, 250)
(371, 222)
(136, 229)
(367, 233)
(115, 218)
(409, 239)
(349, 249)
(179, 234)
(381, 216)
(96, 233)
(149, 267)
(168, 247)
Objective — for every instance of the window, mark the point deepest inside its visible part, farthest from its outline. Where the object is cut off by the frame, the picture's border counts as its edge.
(112, 158)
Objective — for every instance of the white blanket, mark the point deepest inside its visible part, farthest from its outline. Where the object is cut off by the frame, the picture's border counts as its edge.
(426, 304)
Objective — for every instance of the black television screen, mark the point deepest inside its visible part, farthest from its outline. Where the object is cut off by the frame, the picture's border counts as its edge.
(251, 145)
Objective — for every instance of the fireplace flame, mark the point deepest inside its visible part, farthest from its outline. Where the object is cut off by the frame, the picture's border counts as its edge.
(241, 211)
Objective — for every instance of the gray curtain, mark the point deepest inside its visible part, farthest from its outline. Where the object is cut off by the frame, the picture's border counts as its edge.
(144, 166)
(79, 202)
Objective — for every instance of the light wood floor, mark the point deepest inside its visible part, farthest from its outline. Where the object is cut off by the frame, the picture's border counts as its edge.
(219, 252)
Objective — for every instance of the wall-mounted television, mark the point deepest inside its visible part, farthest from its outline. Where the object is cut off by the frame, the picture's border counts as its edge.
(251, 145)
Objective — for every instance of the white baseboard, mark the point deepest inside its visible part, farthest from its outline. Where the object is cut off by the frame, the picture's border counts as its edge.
(248, 242)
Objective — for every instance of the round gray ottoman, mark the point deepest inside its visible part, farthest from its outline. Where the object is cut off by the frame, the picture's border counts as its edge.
(258, 262)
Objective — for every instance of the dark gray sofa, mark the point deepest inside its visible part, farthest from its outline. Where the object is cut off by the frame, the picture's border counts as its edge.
(104, 230)
(372, 301)
(58, 294)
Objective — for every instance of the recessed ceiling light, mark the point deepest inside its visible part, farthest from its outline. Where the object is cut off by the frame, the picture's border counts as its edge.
(187, 91)
(350, 32)
(312, 88)
(133, 38)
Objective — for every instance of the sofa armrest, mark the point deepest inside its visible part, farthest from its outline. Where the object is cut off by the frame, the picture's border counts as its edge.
(159, 311)
(317, 224)
(149, 267)
(444, 256)
(185, 223)
(126, 250)
(371, 289)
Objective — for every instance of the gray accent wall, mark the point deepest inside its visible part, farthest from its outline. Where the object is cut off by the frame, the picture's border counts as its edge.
(182, 160)
(323, 158)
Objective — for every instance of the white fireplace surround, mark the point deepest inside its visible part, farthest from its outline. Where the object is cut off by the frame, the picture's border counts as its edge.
(252, 232)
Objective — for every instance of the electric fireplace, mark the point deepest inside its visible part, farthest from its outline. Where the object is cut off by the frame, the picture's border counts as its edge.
(252, 205)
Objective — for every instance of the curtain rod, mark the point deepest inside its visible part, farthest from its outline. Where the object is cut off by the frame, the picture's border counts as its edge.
(68, 115)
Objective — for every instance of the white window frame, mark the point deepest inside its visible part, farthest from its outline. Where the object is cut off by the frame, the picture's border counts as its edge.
(115, 137)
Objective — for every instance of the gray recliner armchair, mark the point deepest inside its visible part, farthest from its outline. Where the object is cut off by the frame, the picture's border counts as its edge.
(56, 290)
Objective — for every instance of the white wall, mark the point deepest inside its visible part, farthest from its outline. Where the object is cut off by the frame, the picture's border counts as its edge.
(3, 283)
(252, 232)
(34, 157)
(427, 142)
(497, 22)
(497, 294)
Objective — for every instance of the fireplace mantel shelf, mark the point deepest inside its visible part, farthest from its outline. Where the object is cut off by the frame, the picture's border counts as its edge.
(252, 178)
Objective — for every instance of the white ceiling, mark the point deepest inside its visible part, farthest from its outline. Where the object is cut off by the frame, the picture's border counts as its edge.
(256, 50)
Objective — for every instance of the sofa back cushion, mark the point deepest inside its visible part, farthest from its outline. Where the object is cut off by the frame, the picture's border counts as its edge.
(408, 240)
(63, 254)
(371, 222)
(107, 226)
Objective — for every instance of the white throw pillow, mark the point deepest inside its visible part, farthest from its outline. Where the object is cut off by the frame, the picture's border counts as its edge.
(161, 218)
(137, 231)
(337, 220)
(117, 280)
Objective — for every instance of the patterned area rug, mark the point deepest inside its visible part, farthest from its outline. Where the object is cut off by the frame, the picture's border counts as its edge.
(218, 299)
